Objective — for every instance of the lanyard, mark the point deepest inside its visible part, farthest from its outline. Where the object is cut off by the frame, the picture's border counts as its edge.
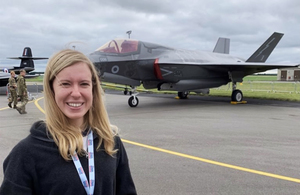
(89, 186)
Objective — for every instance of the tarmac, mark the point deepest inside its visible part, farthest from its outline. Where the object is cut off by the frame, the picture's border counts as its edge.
(201, 145)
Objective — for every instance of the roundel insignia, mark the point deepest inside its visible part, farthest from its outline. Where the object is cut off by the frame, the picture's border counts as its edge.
(5, 70)
(115, 69)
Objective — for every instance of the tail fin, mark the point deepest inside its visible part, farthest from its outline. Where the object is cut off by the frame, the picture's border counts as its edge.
(222, 46)
(27, 60)
(264, 51)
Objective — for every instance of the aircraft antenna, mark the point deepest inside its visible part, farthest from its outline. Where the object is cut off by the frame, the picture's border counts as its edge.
(129, 32)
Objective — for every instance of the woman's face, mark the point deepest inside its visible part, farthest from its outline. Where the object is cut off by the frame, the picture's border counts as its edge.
(73, 91)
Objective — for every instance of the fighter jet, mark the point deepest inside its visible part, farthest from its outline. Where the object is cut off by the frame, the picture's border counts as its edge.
(26, 63)
(132, 63)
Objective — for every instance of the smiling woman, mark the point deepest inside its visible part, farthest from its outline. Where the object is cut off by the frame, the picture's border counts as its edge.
(77, 127)
(73, 92)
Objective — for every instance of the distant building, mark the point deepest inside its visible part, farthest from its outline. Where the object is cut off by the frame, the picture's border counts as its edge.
(288, 74)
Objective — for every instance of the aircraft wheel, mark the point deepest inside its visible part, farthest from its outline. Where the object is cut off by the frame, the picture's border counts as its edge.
(125, 92)
(183, 95)
(237, 96)
(133, 101)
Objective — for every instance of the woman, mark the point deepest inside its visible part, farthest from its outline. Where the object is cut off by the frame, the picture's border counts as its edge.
(75, 150)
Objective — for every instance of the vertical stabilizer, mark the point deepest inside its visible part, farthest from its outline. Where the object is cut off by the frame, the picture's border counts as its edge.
(264, 51)
(26, 59)
(222, 46)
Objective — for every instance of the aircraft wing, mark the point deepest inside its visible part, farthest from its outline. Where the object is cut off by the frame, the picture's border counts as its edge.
(247, 67)
(2, 68)
(169, 71)
(250, 68)
(17, 69)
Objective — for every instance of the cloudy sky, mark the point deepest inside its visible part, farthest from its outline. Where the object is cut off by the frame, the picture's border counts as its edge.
(50, 25)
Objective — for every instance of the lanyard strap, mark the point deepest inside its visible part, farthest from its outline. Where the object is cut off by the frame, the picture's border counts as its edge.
(88, 186)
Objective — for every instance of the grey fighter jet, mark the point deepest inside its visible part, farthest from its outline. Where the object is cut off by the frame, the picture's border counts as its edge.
(132, 63)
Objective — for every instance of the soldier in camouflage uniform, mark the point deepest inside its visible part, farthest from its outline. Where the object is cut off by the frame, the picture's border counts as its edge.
(22, 91)
(13, 90)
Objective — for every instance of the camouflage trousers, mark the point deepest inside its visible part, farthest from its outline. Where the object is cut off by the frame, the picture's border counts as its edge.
(13, 96)
(23, 100)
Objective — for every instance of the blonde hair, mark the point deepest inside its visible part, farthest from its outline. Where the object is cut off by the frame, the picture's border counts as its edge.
(67, 137)
(12, 72)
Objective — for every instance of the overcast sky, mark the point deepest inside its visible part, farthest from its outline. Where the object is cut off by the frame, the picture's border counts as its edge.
(50, 25)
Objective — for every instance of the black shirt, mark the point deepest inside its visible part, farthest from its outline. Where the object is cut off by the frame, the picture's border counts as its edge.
(35, 167)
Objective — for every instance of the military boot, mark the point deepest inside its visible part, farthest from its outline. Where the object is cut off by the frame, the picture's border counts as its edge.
(9, 104)
(23, 110)
(19, 110)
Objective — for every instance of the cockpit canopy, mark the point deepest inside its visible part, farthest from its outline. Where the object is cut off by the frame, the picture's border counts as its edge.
(120, 46)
